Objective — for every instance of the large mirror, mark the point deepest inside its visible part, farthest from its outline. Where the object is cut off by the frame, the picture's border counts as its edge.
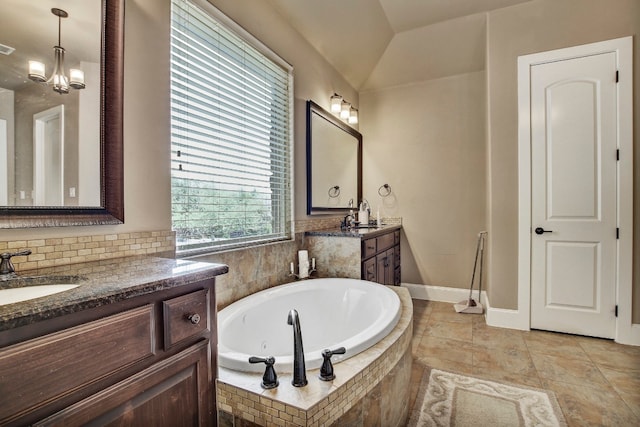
(61, 158)
(334, 163)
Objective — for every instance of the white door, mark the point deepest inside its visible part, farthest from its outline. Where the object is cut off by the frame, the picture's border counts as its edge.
(573, 195)
(48, 157)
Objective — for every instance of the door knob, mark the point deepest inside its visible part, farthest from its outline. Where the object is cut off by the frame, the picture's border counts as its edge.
(540, 230)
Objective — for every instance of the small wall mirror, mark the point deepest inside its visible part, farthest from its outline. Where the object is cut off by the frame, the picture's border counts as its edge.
(334, 163)
(61, 150)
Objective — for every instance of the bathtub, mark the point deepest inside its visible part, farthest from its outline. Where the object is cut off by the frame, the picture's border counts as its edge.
(333, 313)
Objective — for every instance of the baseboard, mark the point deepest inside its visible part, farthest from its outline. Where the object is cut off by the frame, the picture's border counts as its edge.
(498, 317)
(441, 293)
(505, 318)
(630, 336)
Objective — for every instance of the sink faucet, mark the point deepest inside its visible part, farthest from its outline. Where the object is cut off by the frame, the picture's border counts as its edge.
(299, 371)
(6, 267)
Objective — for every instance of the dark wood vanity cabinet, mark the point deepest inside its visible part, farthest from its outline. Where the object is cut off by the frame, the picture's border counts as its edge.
(381, 258)
(148, 360)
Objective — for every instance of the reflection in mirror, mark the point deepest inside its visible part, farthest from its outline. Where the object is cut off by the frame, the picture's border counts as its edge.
(334, 163)
(61, 151)
(31, 28)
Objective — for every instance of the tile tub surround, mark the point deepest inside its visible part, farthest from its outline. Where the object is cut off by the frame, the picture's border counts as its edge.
(77, 249)
(104, 282)
(369, 386)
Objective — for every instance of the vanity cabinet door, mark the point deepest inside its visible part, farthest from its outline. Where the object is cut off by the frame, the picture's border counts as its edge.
(173, 392)
(369, 270)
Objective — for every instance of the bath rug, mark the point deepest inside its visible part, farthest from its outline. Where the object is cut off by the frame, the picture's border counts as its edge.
(447, 399)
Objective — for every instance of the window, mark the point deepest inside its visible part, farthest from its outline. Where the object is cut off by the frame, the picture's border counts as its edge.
(231, 115)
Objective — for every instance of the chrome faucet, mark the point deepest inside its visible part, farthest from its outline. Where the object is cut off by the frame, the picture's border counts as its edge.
(299, 371)
(6, 267)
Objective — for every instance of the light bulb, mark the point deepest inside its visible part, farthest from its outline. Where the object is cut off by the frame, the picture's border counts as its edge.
(345, 110)
(336, 101)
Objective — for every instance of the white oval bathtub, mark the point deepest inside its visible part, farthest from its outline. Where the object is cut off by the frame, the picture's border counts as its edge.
(333, 313)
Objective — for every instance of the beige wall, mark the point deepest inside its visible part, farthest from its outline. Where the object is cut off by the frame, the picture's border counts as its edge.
(427, 141)
(527, 28)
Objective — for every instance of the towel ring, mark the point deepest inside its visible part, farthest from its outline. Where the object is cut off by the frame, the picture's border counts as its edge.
(334, 191)
(384, 190)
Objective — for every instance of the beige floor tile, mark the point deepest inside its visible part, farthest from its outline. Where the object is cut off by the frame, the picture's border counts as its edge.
(555, 344)
(447, 349)
(627, 384)
(451, 330)
(568, 369)
(510, 360)
(490, 337)
(447, 365)
(451, 316)
(611, 354)
(589, 406)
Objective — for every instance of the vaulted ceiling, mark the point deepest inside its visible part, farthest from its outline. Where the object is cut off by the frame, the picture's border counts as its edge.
(380, 43)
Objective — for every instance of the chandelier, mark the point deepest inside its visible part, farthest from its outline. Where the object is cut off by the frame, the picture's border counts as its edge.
(58, 79)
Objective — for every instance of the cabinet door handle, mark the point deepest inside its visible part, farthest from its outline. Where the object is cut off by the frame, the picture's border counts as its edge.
(194, 318)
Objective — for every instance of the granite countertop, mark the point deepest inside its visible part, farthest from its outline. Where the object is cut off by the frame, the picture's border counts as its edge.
(361, 233)
(99, 283)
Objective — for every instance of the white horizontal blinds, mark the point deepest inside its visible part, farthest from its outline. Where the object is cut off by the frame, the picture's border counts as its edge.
(230, 137)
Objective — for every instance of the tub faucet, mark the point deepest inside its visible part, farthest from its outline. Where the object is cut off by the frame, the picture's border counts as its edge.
(299, 371)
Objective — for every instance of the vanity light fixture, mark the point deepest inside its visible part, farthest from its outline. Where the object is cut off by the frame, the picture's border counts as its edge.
(343, 109)
(336, 103)
(58, 79)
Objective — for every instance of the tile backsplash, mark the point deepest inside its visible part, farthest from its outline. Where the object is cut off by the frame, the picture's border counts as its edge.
(76, 249)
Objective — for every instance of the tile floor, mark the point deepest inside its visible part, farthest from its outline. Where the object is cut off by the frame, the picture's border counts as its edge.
(596, 381)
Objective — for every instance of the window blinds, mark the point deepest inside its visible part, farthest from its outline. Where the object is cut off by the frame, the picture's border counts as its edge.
(230, 137)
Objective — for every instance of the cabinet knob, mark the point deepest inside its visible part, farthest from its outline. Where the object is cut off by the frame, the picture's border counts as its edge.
(194, 318)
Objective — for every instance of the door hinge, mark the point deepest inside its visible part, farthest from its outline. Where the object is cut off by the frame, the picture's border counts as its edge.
(617, 76)
(618, 154)
(617, 233)
(616, 310)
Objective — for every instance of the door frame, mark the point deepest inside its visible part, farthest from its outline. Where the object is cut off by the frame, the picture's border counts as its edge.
(625, 331)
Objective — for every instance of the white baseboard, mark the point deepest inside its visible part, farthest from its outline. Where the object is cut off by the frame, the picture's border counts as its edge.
(441, 293)
(498, 317)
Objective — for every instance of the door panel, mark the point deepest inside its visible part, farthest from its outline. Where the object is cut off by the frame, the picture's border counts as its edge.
(573, 116)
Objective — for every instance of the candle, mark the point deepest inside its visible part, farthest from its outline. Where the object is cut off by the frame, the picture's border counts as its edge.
(291, 268)
(313, 263)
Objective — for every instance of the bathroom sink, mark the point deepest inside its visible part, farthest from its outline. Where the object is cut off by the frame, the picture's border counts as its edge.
(16, 289)
(11, 295)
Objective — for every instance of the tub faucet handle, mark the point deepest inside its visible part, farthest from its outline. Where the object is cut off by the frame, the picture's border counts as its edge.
(326, 371)
(269, 379)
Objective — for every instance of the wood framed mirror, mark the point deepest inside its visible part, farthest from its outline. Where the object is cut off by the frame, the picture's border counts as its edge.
(109, 206)
(334, 163)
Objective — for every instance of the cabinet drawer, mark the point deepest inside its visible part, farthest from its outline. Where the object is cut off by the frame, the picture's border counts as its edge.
(369, 248)
(40, 370)
(185, 317)
(385, 241)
